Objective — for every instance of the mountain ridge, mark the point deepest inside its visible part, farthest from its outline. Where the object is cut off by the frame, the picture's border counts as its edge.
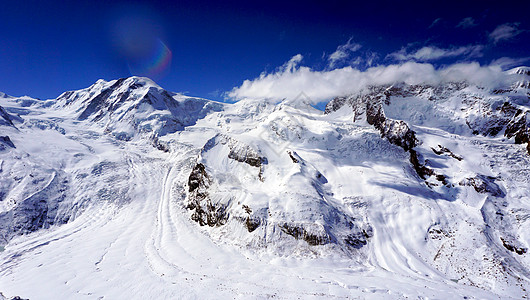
(397, 186)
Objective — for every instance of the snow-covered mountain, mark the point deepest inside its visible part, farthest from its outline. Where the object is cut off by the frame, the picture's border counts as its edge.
(125, 190)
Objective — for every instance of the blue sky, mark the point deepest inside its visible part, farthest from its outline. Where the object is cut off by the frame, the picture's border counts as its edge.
(207, 49)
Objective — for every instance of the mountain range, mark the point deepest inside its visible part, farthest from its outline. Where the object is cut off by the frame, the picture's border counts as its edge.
(124, 190)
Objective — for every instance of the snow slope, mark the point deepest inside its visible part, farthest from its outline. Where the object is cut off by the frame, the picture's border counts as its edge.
(126, 191)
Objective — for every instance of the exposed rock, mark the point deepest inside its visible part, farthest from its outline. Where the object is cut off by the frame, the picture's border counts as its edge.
(2, 297)
(252, 223)
(198, 178)
(359, 239)
(519, 128)
(205, 212)
(6, 142)
(513, 248)
(5, 118)
(423, 171)
(484, 184)
(238, 150)
(442, 150)
(313, 236)
(292, 157)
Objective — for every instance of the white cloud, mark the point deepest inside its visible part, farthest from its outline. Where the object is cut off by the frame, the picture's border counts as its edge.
(507, 62)
(505, 32)
(323, 85)
(292, 63)
(343, 52)
(430, 53)
(467, 23)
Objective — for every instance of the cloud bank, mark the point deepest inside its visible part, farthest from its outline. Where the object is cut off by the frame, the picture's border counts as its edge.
(292, 79)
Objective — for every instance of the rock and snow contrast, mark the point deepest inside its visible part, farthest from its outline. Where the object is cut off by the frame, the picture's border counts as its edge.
(126, 191)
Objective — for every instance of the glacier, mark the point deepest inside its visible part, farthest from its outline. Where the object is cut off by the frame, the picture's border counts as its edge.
(124, 190)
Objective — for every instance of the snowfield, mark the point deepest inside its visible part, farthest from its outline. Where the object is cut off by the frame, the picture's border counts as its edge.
(126, 191)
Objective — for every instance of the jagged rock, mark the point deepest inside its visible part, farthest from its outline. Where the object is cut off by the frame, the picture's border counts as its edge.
(6, 142)
(238, 151)
(205, 212)
(5, 118)
(314, 236)
(359, 239)
(484, 184)
(422, 170)
(294, 159)
(252, 223)
(442, 150)
(2, 297)
(510, 247)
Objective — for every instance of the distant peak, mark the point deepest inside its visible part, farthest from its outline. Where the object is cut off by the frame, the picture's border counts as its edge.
(523, 70)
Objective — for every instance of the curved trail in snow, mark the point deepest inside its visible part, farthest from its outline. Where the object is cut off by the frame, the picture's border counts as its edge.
(152, 240)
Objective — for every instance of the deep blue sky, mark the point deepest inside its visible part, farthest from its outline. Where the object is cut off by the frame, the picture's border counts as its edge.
(48, 47)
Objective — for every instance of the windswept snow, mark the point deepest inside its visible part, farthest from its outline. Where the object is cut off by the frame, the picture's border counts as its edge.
(126, 191)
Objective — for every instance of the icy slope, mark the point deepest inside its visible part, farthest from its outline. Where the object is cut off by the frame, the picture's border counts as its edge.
(124, 190)
(128, 106)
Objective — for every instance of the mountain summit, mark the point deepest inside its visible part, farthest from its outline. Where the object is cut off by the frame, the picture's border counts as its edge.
(397, 191)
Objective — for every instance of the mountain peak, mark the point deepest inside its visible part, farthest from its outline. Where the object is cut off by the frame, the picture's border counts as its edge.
(522, 70)
(132, 105)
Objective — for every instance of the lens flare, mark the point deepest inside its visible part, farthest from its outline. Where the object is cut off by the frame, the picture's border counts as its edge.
(155, 64)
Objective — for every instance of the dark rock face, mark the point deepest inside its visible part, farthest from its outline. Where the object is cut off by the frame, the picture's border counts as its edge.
(514, 121)
(335, 104)
(204, 211)
(252, 224)
(423, 171)
(5, 118)
(198, 178)
(359, 239)
(441, 150)
(510, 247)
(5, 142)
(300, 232)
(397, 132)
(484, 184)
(238, 151)
(294, 159)
(2, 297)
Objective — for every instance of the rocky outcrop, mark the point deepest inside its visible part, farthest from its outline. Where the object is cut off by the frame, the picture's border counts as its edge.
(369, 105)
(2, 297)
(5, 118)
(316, 235)
(484, 184)
(510, 247)
(238, 150)
(441, 150)
(205, 212)
(5, 143)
